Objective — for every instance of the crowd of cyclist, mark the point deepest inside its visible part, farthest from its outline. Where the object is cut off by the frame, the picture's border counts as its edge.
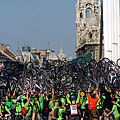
(99, 103)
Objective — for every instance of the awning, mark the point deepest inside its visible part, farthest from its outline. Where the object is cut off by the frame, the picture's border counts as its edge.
(83, 59)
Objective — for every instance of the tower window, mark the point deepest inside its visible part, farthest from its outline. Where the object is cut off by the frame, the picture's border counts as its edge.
(90, 35)
(88, 12)
(81, 15)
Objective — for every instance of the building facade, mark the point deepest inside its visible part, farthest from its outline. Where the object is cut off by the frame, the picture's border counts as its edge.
(111, 21)
(6, 54)
(88, 15)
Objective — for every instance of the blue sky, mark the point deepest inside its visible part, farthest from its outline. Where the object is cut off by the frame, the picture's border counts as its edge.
(41, 21)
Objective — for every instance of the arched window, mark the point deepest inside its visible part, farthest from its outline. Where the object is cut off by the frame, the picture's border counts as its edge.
(81, 15)
(88, 12)
(90, 35)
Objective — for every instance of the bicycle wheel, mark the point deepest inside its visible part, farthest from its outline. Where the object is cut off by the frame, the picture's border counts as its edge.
(66, 80)
(111, 76)
(118, 62)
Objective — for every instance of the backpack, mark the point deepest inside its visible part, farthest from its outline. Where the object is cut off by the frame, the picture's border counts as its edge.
(24, 111)
(55, 113)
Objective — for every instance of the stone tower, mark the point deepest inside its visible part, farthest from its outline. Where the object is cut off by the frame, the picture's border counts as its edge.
(88, 15)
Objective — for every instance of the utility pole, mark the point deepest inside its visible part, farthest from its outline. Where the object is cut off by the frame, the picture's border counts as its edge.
(101, 31)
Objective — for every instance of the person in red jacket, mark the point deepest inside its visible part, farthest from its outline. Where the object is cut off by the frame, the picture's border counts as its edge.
(93, 98)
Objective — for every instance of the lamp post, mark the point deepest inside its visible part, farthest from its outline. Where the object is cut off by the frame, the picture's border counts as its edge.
(101, 30)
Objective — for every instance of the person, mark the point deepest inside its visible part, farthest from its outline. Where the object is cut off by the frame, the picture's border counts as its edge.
(27, 105)
(36, 108)
(93, 98)
(9, 103)
(52, 103)
(114, 110)
(61, 111)
(65, 114)
(107, 105)
(73, 101)
(83, 100)
(47, 109)
(18, 108)
(100, 106)
(3, 108)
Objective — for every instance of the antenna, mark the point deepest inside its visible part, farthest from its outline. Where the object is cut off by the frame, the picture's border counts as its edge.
(48, 46)
(33, 44)
(18, 45)
(61, 50)
(27, 43)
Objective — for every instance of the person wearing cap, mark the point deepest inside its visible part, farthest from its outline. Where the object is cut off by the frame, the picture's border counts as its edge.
(114, 110)
(73, 101)
(18, 107)
(83, 100)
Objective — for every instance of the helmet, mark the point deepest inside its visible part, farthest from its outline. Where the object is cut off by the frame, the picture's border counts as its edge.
(72, 97)
(18, 98)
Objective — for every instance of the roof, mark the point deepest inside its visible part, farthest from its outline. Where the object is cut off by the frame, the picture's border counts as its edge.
(83, 59)
(51, 55)
(5, 49)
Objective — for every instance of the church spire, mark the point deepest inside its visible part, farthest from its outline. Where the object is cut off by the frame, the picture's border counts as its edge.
(61, 50)
(48, 46)
(33, 44)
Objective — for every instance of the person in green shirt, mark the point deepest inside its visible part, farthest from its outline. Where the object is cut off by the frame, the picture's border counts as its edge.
(83, 100)
(100, 106)
(114, 110)
(61, 111)
(36, 108)
(51, 106)
(28, 106)
(3, 108)
(73, 101)
(19, 108)
(66, 114)
(42, 101)
(9, 103)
